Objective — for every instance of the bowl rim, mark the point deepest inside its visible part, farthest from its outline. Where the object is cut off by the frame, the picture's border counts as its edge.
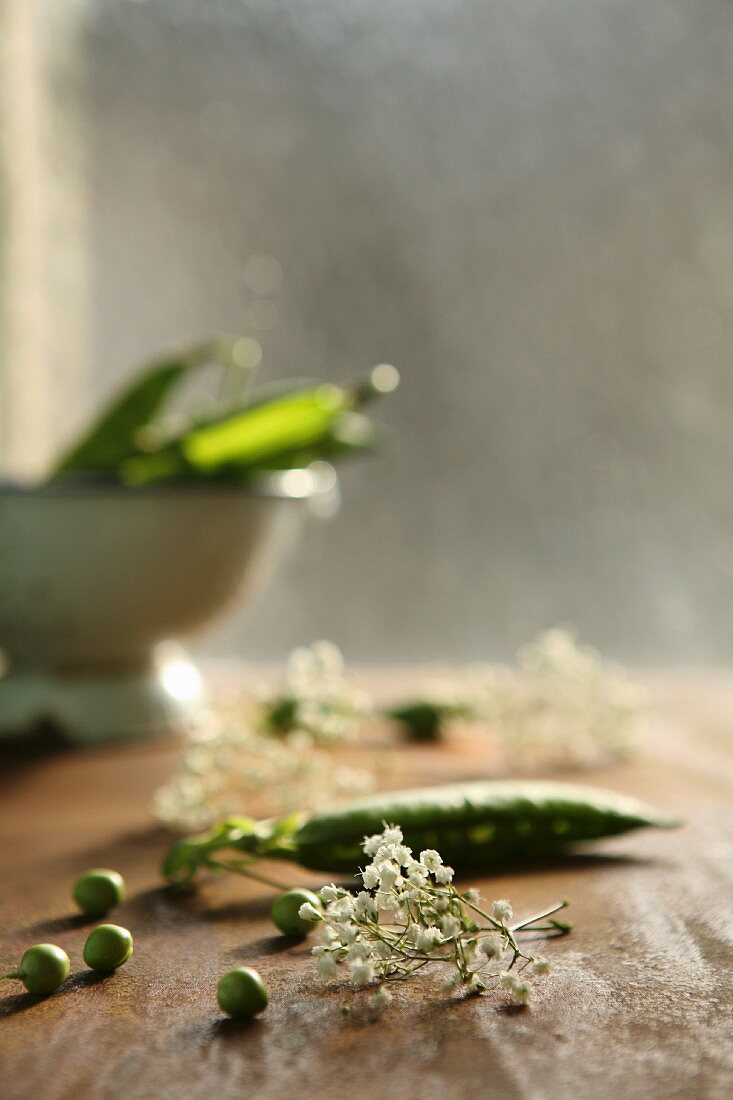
(318, 479)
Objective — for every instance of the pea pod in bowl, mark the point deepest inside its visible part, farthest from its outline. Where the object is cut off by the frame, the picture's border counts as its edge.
(475, 826)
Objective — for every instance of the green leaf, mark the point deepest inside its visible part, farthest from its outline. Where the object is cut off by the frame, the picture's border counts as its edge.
(111, 439)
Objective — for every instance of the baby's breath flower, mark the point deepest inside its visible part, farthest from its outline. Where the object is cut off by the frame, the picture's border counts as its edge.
(327, 967)
(392, 835)
(428, 938)
(365, 907)
(502, 911)
(492, 946)
(389, 874)
(359, 952)
(397, 925)
(309, 912)
(370, 877)
(450, 926)
(362, 973)
(521, 992)
(372, 844)
(540, 966)
(381, 999)
(431, 859)
(347, 932)
(342, 908)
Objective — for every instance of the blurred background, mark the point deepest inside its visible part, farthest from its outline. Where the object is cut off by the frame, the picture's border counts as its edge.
(526, 206)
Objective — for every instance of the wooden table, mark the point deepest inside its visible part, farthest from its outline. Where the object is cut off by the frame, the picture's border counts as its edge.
(640, 1004)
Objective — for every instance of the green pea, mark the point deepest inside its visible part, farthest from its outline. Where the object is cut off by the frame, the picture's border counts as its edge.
(42, 969)
(99, 890)
(108, 946)
(241, 992)
(284, 912)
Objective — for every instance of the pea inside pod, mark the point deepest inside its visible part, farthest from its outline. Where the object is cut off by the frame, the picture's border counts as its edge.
(475, 826)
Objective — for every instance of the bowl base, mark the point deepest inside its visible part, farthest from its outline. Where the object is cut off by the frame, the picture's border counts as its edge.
(90, 707)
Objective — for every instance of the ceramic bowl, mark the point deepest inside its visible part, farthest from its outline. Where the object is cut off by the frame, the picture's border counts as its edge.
(93, 578)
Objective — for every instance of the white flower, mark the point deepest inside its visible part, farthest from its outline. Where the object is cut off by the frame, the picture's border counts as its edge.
(428, 938)
(387, 899)
(451, 926)
(431, 859)
(540, 966)
(392, 835)
(347, 932)
(389, 874)
(365, 907)
(521, 992)
(472, 894)
(492, 946)
(401, 854)
(381, 999)
(417, 874)
(359, 952)
(343, 909)
(502, 911)
(372, 844)
(327, 967)
(362, 973)
(398, 923)
(309, 912)
(370, 876)
(452, 982)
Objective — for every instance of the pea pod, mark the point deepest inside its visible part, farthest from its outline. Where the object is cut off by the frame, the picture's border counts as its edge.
(473, 825)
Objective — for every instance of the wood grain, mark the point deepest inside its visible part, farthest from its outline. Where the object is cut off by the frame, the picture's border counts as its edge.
(640, 1004)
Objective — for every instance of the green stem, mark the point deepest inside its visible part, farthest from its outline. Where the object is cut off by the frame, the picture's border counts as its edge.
(495, 924)
(239, 869)
(540, 916)
(13, 974)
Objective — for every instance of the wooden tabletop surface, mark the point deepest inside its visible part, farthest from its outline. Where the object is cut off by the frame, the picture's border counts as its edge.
(640, 1004)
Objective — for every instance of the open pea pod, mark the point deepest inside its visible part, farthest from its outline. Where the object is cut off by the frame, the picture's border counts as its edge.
(244, 439)
(112, 438)
(281, 431)
(474, 826)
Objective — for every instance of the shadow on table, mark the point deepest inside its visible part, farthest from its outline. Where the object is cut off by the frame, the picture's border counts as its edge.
(55, 925)
(265, 945)
(24, 751)
(22, 1002)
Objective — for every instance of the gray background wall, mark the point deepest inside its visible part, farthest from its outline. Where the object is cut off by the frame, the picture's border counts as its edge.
(526, 206)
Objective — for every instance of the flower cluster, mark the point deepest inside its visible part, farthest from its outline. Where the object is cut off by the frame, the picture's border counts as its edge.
(230, 767)
(410, 915)
(316, 699)
(562, 705)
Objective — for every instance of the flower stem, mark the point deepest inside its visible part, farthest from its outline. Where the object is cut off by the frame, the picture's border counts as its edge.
(540, 916)
(243, 869)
